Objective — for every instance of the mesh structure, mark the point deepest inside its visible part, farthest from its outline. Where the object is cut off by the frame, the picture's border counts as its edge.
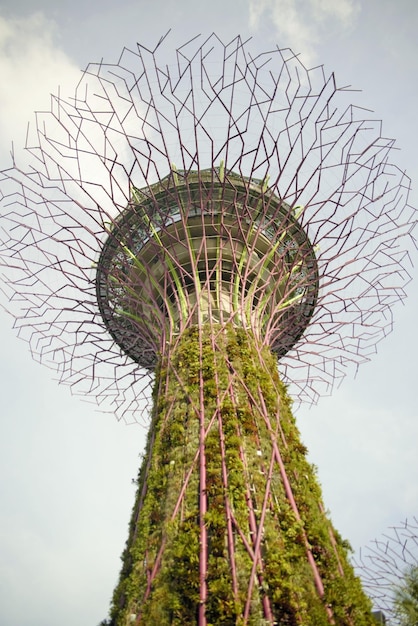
(385, 565)
(194, 225)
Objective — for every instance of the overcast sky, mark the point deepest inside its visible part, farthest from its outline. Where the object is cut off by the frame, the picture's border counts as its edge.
(66, 469)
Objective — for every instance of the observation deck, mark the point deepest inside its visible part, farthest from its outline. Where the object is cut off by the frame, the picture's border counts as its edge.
(203, 247)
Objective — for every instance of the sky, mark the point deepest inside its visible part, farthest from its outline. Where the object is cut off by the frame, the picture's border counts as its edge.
(66, 469)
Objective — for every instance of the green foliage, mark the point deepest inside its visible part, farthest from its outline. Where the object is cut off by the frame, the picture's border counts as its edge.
(406, 598)
(218, 381)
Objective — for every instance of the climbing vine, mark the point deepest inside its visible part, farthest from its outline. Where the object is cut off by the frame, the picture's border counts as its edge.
(270, 554)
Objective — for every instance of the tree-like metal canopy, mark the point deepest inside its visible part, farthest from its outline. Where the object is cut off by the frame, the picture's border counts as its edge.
(388, 565)
(282, 135)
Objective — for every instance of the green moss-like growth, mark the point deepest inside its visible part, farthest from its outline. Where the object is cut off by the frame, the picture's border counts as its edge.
(272, 556)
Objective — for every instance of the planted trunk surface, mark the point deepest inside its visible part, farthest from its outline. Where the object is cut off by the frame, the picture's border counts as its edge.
(228, 526)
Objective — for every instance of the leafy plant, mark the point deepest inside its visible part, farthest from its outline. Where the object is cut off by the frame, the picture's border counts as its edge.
(266, 537)
(406, 598)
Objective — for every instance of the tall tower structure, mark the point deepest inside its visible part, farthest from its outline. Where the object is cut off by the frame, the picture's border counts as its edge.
(191, 226)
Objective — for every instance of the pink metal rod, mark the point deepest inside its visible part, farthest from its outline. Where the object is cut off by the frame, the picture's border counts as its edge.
(265, 117)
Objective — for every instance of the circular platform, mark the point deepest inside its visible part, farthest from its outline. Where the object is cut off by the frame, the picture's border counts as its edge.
(199, 248)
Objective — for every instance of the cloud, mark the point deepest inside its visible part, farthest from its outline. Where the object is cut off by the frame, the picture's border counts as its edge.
(303, 23)
(31, 66)
(344, 11)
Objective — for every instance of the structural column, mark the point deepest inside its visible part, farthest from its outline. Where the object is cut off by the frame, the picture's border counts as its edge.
(228, 526)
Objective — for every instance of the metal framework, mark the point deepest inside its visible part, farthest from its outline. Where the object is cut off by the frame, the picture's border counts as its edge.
(205, 246)
(199, 218)
(384, 565)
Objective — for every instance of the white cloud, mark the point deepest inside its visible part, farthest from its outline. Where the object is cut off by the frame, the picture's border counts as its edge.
(343, 11)
(303, 23)
(31, 67)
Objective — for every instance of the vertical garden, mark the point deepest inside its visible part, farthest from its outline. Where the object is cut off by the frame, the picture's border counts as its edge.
(228, 518)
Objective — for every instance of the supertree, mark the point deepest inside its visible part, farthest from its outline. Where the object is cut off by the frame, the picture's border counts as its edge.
(388, 567)
(198, 227)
